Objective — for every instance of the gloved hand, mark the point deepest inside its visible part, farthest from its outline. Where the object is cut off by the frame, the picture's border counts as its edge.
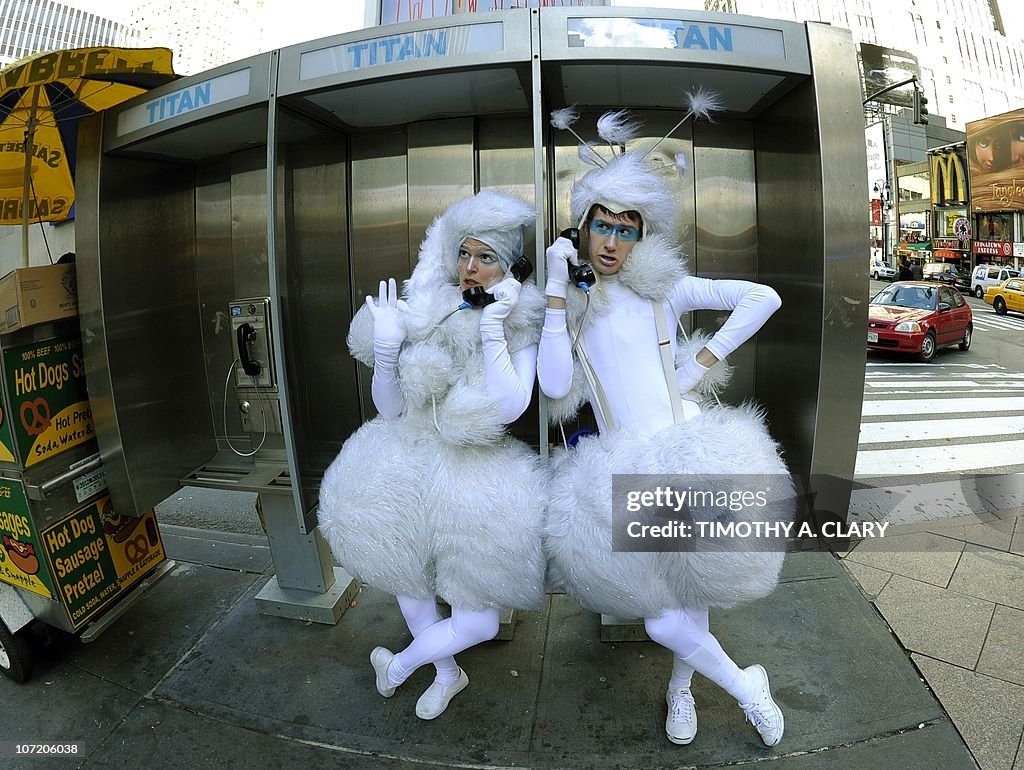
(388, 329)
(559, 254)
(506, 294)
(688, 376)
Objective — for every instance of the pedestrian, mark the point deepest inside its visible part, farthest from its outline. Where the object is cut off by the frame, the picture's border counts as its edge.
(904, 273)
(432, 498)
(916, 271)
(612, 359)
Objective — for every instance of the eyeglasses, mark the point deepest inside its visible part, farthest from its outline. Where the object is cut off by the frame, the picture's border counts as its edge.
(482, 259)
(622, 232)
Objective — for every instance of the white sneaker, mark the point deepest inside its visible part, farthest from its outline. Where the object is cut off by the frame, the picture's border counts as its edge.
(763, 712)
(436, 698)
(681, 724)
(380, 659)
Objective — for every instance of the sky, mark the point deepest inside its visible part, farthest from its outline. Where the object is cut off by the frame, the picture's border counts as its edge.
(290, 21)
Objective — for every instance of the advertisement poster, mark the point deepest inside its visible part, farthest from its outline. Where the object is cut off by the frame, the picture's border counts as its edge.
(21, 560)
(46, 389)
(883, 67)
(95, 554)
(995, 157)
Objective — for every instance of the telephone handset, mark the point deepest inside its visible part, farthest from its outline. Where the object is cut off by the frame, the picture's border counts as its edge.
(477, 296)
(581, 275)
(246, 335)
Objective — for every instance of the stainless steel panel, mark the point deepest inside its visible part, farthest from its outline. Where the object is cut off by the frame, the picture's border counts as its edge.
(140, 321)
(441, 171)
(726, 238)
(379, 222)
(249, 223)
(317, 304)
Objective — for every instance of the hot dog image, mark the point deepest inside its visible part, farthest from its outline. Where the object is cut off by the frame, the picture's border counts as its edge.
(115, 525)
(22, 554)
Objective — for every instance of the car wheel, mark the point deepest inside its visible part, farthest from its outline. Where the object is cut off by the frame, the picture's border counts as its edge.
(979, 292)
(875, 276)
(15, 657)
(999, 305)
(965, 343)
(927, 348)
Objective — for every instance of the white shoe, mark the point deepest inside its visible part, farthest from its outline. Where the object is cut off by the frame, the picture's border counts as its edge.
(763, 712)
(681, 724)
(380, 659)
(436, 698)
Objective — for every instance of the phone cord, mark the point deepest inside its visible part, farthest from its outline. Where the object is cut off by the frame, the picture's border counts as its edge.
(224, 411)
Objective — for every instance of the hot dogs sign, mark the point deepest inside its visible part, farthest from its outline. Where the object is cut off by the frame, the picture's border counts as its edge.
(84, 560)
(49, 406)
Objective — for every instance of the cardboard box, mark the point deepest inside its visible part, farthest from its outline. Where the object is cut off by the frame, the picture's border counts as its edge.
(33, 295)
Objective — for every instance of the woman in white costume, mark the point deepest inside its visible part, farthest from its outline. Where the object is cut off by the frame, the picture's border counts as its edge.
(432, 497)
(628, 234)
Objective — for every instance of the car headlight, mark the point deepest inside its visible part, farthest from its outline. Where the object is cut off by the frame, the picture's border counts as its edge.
(908, 326)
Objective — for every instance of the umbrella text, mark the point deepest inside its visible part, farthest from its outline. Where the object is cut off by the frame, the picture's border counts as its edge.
(61, 65)
(11, 209)
(48, 155)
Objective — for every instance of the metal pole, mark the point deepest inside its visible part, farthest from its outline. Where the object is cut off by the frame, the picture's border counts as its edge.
(26, 192)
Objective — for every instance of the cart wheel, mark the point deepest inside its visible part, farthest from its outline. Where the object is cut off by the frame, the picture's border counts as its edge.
(15, 656)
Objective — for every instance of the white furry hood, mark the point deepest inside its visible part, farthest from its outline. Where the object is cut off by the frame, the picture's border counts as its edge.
(628, 183)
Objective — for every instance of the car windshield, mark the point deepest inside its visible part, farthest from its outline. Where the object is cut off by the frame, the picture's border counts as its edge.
(901, 295)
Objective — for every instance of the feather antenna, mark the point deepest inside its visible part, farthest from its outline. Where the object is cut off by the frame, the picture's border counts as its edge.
(588, 154)
(617, 128)
(563, 118)
(701, 103)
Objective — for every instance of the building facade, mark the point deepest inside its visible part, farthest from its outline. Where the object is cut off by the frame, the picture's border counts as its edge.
(32, 26)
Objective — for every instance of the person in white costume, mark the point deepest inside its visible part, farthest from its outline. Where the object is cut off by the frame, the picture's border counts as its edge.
(432, 497)
(628, 234)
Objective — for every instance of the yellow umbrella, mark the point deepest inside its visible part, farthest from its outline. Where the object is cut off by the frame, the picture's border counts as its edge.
(42, 97)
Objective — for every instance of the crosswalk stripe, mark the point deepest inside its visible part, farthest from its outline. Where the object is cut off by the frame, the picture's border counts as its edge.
(915, 461)
(930, 430)
(927, 405)
(923, 383)
(998, 391)
(871, 376)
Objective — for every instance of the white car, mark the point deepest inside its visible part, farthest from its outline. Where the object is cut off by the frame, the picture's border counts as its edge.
(989, 276)
(879, 270)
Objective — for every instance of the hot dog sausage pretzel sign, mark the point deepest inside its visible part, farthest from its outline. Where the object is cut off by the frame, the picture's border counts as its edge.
(96, 553)
(21, 558)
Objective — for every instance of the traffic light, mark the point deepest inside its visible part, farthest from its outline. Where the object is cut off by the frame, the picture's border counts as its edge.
(920, 107)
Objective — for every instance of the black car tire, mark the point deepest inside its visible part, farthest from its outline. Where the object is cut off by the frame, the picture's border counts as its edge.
(999, 305)
(979, 292)
(15, 656)
(965, 343)
(875, 276)
(927, 348)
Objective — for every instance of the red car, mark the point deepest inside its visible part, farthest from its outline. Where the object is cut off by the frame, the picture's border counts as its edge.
(919, 317)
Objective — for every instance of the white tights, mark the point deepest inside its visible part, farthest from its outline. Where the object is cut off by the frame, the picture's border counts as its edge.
(686, 634)
(436, 640)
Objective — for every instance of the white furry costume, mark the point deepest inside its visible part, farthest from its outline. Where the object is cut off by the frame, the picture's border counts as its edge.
(441, 501)
(621, 340)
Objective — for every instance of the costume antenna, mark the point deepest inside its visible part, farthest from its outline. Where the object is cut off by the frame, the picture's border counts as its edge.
(563, 118)
(702, 103)
(617, 128)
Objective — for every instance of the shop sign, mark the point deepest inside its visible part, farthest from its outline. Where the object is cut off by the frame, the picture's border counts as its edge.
(46, 387)
(96, 554)
(948, 243)
(21, 554)
(993, 248)
(1018, 249)
(962, 229)
(876, 212)
(946, 254)
(947, 171)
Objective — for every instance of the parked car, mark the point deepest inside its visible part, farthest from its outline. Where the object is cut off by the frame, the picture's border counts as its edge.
(941, 272)
(985, 276)
(919, 317)
(878, 270)
(1009, 295)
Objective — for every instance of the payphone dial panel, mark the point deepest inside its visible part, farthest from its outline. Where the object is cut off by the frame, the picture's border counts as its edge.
(251, 340)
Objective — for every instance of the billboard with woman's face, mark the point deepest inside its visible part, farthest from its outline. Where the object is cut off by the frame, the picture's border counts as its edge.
(995, 157)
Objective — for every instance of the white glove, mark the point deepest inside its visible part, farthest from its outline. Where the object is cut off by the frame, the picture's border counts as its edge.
(506, 294)
(388, 329)
(688, 376)
(559, 255)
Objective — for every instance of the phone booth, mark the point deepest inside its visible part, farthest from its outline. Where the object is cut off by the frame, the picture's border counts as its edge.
(232, 222)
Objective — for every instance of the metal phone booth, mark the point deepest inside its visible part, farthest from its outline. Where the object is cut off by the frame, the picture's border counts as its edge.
(773, 193)
(231, 223)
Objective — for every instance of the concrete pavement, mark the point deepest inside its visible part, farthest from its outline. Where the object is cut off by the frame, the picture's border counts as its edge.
(192, 676)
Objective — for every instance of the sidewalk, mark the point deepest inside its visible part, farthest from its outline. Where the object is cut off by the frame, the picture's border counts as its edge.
(192, 676)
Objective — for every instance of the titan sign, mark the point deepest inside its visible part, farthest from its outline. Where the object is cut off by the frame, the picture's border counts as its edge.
(995, 155)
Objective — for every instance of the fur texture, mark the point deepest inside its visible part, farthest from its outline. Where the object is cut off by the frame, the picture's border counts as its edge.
(627, 183)
(618, 127)
(722, 441)
(440, 501)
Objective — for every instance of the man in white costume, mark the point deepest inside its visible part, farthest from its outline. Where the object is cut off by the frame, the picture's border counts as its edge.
(628, 234)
